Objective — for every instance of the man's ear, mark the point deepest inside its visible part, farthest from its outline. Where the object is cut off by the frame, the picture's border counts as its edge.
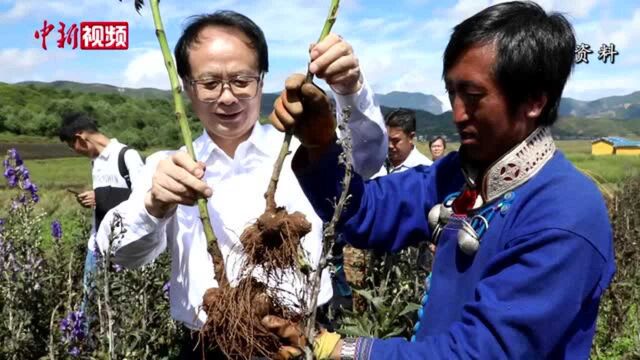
(82, 139)
(534, 106)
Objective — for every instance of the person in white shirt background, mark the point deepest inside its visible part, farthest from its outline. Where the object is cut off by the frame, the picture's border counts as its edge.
(222, 60)
(437, 147)
(114, 168)
(403, 153)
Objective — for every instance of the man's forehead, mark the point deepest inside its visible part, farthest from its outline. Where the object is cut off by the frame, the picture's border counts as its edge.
(222, 50)
(395, 131)
(473, 66)
(216, 32)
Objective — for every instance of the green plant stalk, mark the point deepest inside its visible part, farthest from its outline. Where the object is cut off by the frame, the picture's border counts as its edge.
(106, 263)
(326, 29)
(52, 330)
(284, 149)
(218, 260)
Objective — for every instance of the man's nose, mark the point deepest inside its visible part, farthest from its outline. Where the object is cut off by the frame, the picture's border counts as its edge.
(459, 110)
(226, 96)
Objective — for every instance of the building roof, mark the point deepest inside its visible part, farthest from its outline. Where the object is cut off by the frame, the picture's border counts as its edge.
(619, 142)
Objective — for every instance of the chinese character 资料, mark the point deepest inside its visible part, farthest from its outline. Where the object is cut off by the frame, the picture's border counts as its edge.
(606, 52)
(582, 53)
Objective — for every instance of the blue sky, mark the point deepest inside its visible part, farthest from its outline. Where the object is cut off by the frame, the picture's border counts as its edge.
(399, 43)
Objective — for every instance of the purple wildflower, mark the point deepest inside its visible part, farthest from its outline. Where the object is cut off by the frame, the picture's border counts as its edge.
(116, 267)
(64, 324)
(11, 176)
(17, 174)
(13, 155)
(75, 351)
(56, 229)
(166, 288)
(74, 330)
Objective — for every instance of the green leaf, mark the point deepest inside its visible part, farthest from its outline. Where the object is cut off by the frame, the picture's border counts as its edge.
(376, 301)
(409, 308)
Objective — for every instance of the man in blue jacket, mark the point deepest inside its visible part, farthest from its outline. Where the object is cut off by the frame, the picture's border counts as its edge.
(524, 241)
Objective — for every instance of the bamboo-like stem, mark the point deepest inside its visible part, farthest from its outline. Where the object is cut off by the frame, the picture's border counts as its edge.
(326, 29)
(218, 260)
(284, 149)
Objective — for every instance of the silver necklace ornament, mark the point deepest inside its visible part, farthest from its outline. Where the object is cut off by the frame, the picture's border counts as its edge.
(441, 213)
(439, 216)
(470, 234)
(468, 238)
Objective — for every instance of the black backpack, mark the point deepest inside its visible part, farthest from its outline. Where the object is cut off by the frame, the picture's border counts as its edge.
(122, 166)
(109, 197)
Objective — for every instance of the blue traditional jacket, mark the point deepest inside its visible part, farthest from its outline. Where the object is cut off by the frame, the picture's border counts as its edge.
(532, 288)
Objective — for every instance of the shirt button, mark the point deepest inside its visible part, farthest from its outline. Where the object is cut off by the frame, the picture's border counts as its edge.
(416, 327)
(363, 105)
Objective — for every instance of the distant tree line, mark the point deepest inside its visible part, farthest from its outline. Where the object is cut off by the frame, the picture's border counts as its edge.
(149, 121)
(138, 122)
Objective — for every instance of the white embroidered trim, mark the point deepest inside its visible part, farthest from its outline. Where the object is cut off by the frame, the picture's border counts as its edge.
(519, 165)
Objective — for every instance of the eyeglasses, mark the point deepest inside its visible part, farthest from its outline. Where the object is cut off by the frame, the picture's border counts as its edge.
(243, 87)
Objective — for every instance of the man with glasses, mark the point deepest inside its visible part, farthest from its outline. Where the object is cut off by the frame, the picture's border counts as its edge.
(222, 60)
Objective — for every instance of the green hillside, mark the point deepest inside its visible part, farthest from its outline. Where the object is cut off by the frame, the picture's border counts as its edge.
(144, 118)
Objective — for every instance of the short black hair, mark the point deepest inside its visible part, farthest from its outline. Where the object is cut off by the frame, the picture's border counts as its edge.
(535, 51)
(444, 142)
(223, 18)
(402, 118)
(73, 123)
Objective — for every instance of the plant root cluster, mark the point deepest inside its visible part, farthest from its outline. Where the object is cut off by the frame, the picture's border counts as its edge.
(273, 241)
(233, 320)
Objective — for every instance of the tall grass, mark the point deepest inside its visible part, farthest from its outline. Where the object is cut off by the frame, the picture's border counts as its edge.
(618, 332)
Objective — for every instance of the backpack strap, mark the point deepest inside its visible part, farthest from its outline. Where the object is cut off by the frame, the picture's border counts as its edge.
(122, 166)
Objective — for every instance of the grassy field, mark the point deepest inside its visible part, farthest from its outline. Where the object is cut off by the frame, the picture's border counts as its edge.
(606, 169)
(54, 176)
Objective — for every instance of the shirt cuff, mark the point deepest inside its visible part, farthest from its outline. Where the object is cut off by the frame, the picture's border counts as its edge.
(142, 222)
(363, 348)
(360, 101)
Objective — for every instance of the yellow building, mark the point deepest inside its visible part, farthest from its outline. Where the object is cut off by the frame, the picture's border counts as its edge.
(612, 145)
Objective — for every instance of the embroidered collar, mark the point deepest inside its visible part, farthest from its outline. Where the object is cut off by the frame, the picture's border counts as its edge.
(515, 167)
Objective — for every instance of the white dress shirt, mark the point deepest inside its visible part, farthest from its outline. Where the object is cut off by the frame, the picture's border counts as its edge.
(414, 159)
(238, 185)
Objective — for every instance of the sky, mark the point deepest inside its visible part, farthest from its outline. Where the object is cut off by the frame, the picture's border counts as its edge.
(399, 43)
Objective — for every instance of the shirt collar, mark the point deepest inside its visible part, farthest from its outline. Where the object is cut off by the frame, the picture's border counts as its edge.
(109, 149)
(411, 160)
(259, 140)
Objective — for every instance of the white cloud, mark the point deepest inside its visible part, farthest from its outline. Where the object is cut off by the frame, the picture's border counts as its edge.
(21, 64)
(146, 69)
(587, 86)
